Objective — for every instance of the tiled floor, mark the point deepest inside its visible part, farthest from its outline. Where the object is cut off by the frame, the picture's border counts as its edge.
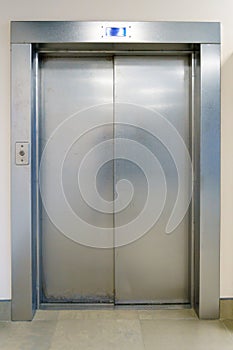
(117, 329)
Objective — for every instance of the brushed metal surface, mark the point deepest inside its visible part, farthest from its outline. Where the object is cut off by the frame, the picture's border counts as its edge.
(209, 287)
(155, 268)
(71, 271)
(196, 166)
(143, 32)
(22, 308)
(64, 36)
(77, 281)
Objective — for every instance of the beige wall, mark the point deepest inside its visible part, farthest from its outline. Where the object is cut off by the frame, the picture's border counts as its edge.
(148, 10)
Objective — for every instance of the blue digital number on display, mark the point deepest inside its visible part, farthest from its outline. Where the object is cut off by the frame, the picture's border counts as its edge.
(113, 31)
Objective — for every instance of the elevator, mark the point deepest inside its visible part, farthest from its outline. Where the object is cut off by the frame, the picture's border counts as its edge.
(155, 268)
(115, 133)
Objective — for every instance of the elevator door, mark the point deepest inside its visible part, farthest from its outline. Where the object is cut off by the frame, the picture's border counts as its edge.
(76, 100)
(97, 141)
(152, 97)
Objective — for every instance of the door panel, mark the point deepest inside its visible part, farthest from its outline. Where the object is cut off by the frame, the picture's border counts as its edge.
(130, 98)
(155, 267)
(73, 90)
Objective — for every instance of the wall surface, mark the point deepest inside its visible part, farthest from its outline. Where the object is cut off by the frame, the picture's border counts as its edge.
(148, 10)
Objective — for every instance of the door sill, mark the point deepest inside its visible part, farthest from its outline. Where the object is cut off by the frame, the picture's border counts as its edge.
(111, 306)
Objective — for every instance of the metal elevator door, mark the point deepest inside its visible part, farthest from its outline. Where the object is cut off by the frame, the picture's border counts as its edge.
(97, 117)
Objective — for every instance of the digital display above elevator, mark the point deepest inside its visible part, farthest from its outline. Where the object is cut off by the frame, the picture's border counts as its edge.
(115, 31)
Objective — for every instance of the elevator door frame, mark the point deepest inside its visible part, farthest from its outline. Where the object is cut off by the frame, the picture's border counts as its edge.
(202, 41)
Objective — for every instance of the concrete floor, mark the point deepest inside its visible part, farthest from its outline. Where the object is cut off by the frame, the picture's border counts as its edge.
(117, 329)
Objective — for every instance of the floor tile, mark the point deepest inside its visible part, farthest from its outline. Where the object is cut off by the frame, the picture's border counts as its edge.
(117, 330)
(98, 314)
(26, 335)
(46, 315)
(167, 314)
(114, 314)
(98, 334)
(229, 325)
(43, 315)
(69, 315)
(185, 334)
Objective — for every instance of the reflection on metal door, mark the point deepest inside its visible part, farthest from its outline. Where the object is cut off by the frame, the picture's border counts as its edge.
(150, 93)
(69, 87)
(97, 141)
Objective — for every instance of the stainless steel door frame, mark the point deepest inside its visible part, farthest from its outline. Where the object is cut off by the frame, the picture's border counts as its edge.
(204, 39)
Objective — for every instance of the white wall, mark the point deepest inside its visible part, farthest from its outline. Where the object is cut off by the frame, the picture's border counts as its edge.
(148, 10)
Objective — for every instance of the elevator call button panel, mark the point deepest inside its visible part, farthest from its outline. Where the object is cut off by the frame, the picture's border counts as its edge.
(22, 153)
